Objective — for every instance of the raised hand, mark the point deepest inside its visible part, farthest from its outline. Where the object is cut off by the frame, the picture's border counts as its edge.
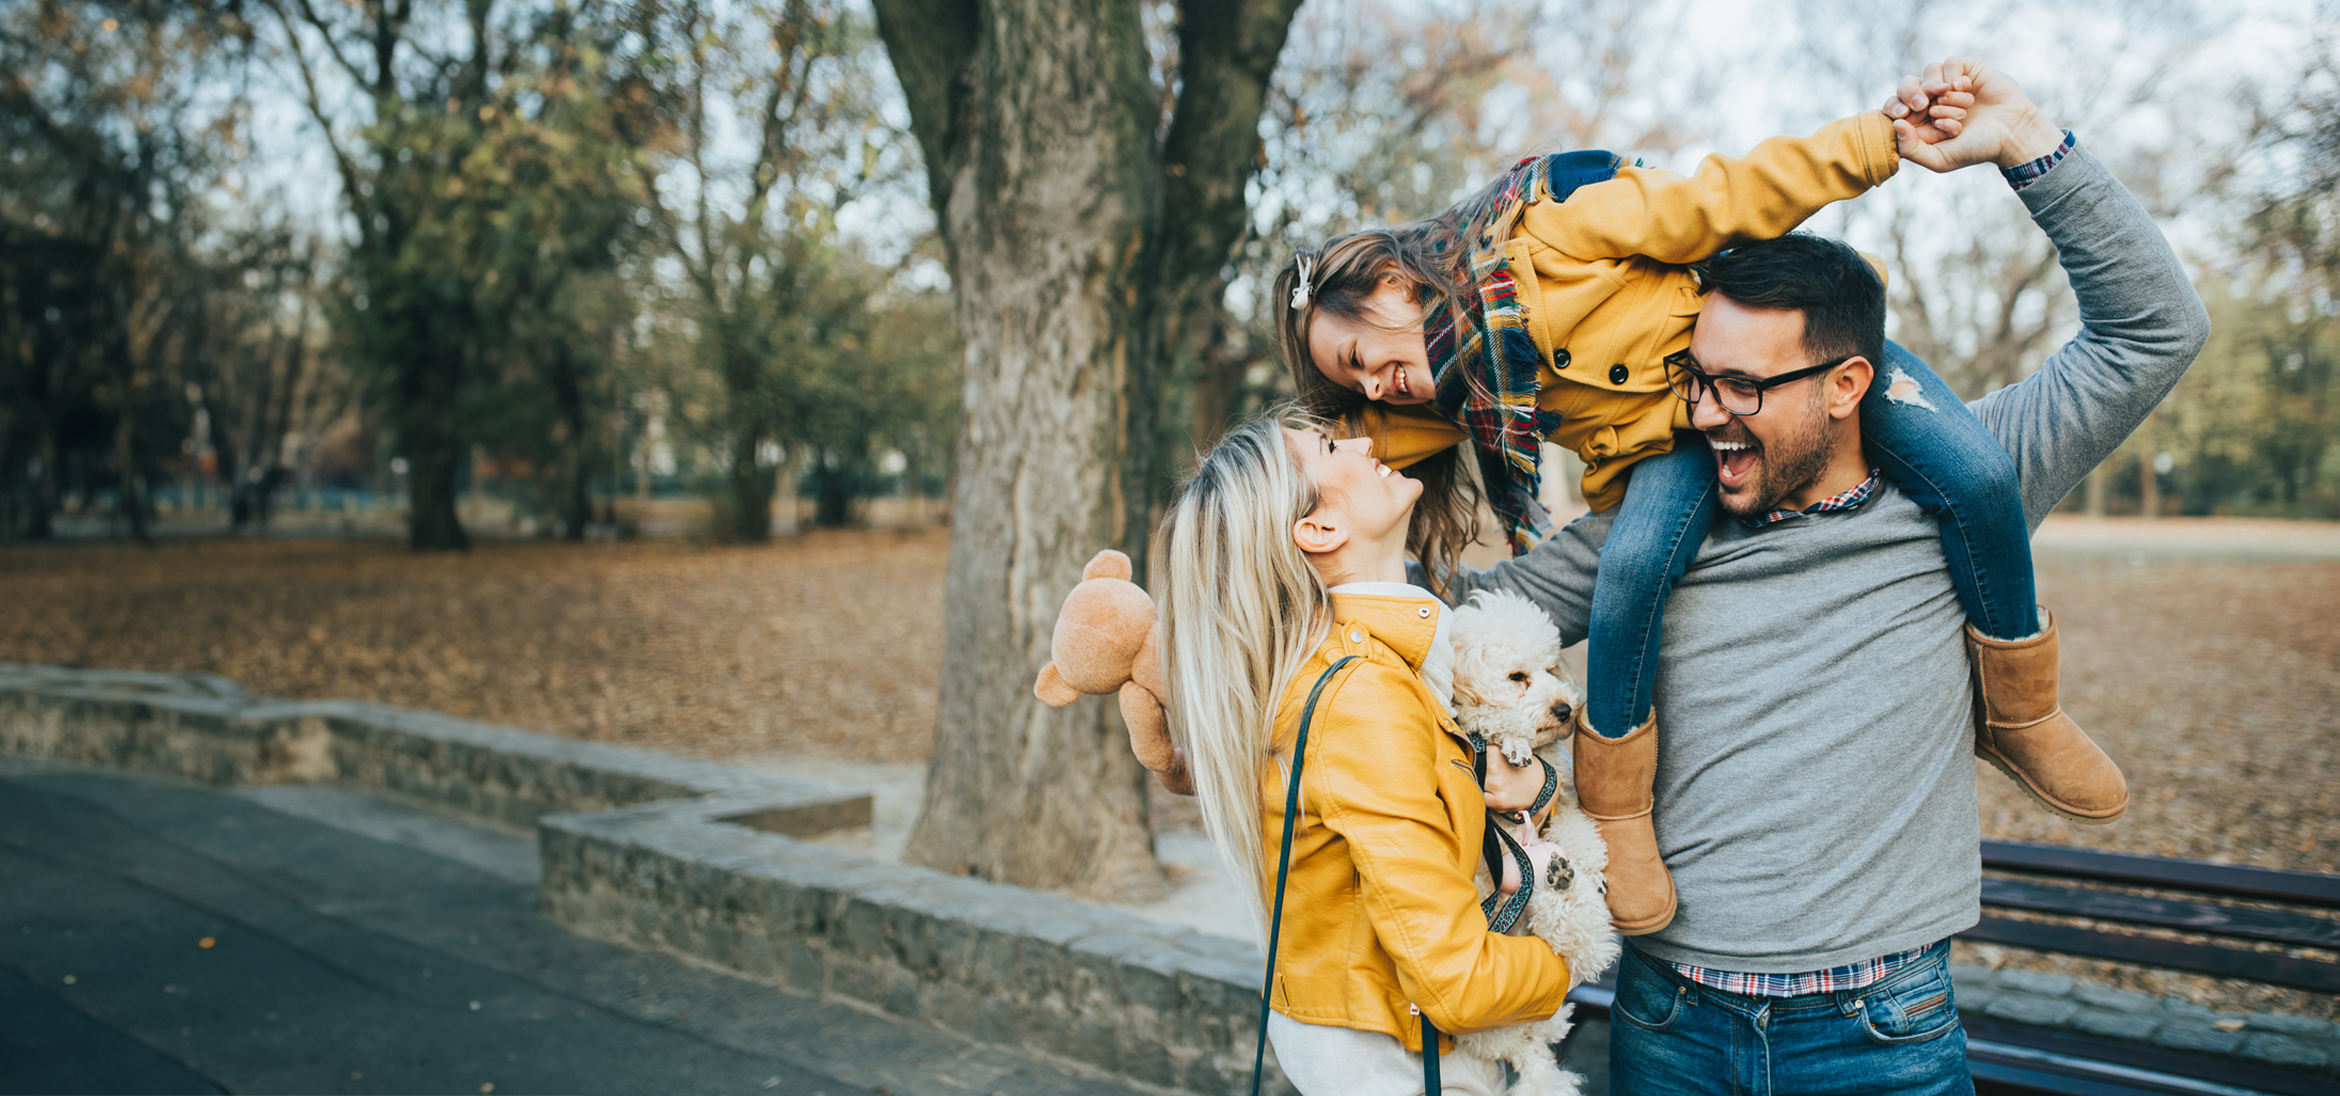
(1961, 112)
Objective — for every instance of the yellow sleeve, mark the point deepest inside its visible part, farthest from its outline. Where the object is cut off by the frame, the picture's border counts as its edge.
(1374, 777)
(1728, 201)
(1404, 435)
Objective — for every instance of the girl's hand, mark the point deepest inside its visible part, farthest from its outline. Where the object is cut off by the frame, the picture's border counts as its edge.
(1963, 112)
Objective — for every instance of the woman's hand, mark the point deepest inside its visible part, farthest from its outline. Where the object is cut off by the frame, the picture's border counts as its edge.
(1511, 788)
(1962, 112)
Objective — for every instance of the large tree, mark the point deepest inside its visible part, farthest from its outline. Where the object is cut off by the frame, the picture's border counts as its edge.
(1087, 212)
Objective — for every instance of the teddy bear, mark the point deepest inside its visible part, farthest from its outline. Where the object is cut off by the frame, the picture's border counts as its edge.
(1108, 640)
(1511, 692)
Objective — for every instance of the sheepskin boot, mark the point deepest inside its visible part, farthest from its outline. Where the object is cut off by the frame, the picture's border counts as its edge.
(1613, 781)
(2020, 727)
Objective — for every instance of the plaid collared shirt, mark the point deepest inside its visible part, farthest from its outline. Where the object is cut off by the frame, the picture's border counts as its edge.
(1846, 978)
(1842, 500)
(2029, 171)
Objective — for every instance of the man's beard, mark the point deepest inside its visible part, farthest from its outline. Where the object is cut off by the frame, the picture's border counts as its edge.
(1783, 467)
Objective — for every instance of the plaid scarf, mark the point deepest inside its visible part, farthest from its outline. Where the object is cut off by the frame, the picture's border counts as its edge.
(1487, 370)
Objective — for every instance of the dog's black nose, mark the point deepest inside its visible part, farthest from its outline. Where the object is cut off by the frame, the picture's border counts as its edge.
(1562, 712)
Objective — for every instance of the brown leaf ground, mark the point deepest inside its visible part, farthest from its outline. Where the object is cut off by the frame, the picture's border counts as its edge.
(2204, 655)
(826, 643)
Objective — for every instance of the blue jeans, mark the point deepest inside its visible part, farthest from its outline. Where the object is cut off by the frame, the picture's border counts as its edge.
(1927, 443)
(1669, 1035)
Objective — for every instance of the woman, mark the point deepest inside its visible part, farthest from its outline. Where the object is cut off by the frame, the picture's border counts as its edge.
(1282, 556)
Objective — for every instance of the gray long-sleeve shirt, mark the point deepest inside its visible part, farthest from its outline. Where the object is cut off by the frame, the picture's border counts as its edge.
(1815, 785)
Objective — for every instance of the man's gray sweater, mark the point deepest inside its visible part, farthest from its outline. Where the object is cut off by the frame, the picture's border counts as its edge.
(1815, 784)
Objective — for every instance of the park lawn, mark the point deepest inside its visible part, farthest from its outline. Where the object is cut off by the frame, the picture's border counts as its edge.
(2214, 680)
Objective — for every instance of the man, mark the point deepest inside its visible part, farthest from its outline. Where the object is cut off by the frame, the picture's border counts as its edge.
(1814, 793)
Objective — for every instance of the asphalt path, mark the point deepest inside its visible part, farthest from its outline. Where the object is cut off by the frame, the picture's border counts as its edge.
(157, 937)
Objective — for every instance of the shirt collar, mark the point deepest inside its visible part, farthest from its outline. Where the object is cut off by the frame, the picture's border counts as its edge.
(1842, 500)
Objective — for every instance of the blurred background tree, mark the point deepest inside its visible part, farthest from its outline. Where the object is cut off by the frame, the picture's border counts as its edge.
(119, 130)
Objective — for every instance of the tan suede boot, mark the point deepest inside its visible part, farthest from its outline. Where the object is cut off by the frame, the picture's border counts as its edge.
(1613, 780)
(2019, 727)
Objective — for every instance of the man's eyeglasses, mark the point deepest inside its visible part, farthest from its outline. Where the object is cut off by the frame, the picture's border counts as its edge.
(1737, 395)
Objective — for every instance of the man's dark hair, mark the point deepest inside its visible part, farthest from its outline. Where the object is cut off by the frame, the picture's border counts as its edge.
(1840, 295)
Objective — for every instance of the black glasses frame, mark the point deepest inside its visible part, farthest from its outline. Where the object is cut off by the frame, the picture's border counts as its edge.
(1691, 383)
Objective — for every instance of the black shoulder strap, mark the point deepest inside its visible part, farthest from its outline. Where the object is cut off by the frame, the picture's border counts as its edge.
(1284, 865)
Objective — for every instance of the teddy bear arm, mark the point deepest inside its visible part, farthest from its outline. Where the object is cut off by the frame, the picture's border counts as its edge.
(1053, 688)
(1149, 726)
(1177, 779)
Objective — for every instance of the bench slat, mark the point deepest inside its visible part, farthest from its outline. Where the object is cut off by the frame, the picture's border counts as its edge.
(2242, 922)
(2306, 887)
(2281, 970)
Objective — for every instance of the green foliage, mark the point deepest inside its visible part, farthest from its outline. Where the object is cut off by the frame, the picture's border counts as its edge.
(106, 275)
(2255, 425)
(2257, 421)
(792, 336)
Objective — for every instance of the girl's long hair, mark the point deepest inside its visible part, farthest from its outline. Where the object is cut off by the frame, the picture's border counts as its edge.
(1427, 256)
(1242, 610)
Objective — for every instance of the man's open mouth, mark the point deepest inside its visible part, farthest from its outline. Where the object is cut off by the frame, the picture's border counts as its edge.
(1734, 462)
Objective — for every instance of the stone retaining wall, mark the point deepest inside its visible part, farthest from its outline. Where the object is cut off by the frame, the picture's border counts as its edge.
(1161, 1006)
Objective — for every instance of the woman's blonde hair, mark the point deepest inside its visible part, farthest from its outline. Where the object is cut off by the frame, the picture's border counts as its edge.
(1342, 274)
(1242, 610)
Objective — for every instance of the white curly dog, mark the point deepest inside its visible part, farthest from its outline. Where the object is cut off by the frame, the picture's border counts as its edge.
(1510, 689)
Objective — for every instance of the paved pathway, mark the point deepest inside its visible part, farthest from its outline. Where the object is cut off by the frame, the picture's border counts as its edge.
(161, 938)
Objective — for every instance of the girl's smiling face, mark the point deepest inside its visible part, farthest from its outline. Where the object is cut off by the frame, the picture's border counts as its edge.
(1361, 502)
(1378, 355)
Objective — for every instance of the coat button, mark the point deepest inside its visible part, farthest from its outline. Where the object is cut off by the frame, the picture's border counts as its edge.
(1559, 358)
(1618, 373)
(1356, 637)
(1423, 612)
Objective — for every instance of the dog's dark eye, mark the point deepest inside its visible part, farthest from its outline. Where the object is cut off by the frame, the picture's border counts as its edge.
(1519, 676)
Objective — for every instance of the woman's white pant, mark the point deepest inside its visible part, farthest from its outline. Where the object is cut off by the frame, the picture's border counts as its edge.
(1321, 1060)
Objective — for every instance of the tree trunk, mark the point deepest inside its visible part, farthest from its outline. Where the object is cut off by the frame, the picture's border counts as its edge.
(132, 502)
(1045, 200)
(751, 492)
(1078, 243)
(2148, 482)
(568, 389)
(44, 503)
(2096, 492)
(425, 412)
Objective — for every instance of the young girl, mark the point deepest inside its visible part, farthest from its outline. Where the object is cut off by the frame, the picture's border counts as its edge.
(1557, 305)
(1283, 555)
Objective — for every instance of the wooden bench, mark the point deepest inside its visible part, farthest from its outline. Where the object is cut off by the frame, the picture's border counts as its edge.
(2202, 918)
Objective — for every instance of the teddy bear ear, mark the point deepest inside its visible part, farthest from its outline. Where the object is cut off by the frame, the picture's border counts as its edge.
(1107, 564)
(1053, 688)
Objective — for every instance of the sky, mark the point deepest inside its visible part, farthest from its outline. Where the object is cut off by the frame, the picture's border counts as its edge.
(2069, 55)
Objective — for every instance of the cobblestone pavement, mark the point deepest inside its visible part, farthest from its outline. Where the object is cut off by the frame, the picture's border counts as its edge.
(158, 937)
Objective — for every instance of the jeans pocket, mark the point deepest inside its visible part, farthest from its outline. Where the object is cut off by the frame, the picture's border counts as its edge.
(1645, 999)
(1914, 1010)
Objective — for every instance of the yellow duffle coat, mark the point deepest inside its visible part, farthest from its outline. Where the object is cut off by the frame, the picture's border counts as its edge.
(1612, 295)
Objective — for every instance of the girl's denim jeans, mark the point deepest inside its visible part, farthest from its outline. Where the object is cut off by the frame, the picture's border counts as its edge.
(1926, 441)
(1669, 1035)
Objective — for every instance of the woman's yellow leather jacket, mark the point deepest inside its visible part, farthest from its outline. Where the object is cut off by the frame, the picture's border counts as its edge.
(1380, 915)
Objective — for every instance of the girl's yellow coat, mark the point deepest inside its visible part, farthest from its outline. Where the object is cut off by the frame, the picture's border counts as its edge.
(1612, 288)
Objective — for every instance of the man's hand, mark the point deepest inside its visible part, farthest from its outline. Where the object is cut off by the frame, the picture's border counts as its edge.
(1962, 112)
